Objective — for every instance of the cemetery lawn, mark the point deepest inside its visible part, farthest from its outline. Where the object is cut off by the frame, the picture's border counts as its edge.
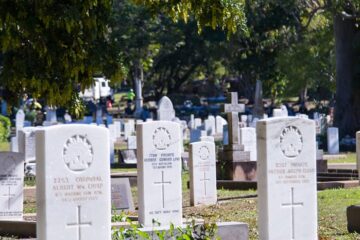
(4, 146)
(236, 205)
(241, 206)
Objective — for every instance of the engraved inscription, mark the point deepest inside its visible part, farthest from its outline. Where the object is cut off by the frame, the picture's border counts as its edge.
(78, 153)
(291, 141)
(161, 138)
(204, 153)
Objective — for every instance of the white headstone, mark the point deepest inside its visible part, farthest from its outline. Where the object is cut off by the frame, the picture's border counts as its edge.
(129, 128)
(159, 173)
(73, 183)
(26, 142)
(277, 112)
(287, 197)
(20, 118)
(220, 122)
(14, 146)
(192, 121)
(333, 140)
(51, 114)
(248, 139)
(11, 185)
(131, 142)
(212, 123)
(284, 111)
(165, 110)
(202, 173)
(197, 123)
(113, 132)
(207, 127)
(117, 124)
(67, 118)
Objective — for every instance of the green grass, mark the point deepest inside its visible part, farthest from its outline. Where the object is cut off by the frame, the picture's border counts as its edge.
(4, 146)
(350, 158)
(123, 170)
(241, 206)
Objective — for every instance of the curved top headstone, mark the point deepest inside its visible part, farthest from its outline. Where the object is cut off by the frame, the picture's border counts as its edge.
(165, 110)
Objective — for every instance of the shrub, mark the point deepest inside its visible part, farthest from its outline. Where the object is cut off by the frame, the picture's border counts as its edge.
(4, 128)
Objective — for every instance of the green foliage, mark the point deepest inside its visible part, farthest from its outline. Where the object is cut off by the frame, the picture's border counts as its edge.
(49, 48)
(192, 231)
(5, 125)
(225, 14)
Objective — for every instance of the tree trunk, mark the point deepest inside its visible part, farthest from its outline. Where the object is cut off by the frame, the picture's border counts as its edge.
(345, 114)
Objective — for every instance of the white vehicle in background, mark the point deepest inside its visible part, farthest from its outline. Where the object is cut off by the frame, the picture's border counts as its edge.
(100, 90)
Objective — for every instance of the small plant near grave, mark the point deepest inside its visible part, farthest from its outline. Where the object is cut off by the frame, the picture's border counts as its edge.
(192, 231)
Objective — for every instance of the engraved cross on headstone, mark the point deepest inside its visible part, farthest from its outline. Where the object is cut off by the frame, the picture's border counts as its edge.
(232, 111)
(292, 204)
(163, 187)
(78, 224)
(204, 180)
(9, 196)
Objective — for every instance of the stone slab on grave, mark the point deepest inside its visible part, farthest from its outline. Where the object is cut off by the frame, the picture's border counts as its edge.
(73, 183)
(159, 173)
(128, 156)
(121, 197)
(333, 140)
(287, 197)
(202, 173)
(11, 185)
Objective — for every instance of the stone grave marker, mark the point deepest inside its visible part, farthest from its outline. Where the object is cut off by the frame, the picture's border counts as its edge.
(14, 146)
(113, 132)
(220, 122)
(131, 142)
(51, 114)
(333, 140)
(26, 142)
(73, 183)
(202, 173)
(248, 139)
(287, 197)
(11, 185)
(121, 198)
(117, 124)
(159, 173)
(20, 118)
(165, 110)
(197, 123)
(128, 156)
(212, 123)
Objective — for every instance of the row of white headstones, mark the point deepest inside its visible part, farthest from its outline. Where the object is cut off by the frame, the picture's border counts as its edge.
(73, 179)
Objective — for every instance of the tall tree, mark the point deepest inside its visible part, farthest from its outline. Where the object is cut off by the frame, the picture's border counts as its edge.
(51, 47)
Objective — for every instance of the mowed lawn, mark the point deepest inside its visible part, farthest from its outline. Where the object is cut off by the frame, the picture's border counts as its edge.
(241, 206)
